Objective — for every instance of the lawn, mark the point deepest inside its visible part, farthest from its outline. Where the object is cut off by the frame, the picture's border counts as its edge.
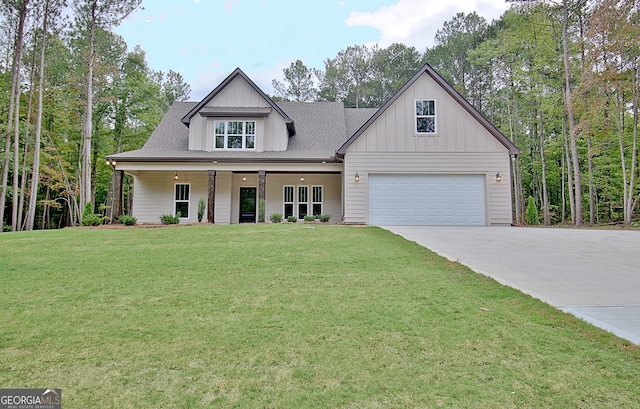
(287, 316)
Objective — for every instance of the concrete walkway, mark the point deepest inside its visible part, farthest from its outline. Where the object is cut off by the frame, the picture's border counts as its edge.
(592, 274)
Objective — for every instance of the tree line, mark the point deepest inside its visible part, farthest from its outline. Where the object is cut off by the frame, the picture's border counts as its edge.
(559, 78)
(71, 92)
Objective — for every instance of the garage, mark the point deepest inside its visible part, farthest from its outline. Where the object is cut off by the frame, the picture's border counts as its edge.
(427, 200)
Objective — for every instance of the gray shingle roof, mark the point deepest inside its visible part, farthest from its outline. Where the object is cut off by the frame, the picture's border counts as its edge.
(321, 128)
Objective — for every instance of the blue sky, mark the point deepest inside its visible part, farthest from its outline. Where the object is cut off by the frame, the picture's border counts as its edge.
(207, 39)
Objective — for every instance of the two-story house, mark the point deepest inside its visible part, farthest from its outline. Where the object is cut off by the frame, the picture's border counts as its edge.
(427, 157)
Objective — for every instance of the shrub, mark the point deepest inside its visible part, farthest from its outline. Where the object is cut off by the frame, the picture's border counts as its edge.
(127, 220)
(200, 209)
(292, 219)
(91, 219)
(169, 219)
(531, 216)
(324, 218)
(6, 227)
(276, 218)
(309, 218)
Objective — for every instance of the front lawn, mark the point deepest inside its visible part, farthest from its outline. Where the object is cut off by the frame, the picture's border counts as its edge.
(286, 316)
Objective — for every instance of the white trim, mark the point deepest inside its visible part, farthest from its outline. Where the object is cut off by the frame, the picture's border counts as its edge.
(226, 135)
(434, 116)
(176, 201)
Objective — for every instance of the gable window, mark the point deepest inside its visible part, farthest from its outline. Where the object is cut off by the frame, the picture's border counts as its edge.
(425, 116)
(234, 134)
(181, 200)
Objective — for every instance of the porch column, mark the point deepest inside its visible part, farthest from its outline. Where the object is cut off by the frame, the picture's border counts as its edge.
(262, 179)
(211, 199)
(117, 195)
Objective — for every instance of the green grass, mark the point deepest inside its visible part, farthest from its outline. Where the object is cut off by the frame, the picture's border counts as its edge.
(287, 316)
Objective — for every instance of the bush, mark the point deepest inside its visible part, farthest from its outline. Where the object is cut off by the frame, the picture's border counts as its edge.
(127, 220)
(309, 218)
(324, 218)
(292, 219)
(169, 219)
(91, 219)
(531, 216)
(276, 218)
(201, 207)
(6, 227)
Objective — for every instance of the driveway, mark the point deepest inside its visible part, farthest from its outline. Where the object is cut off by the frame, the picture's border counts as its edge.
(592, 274)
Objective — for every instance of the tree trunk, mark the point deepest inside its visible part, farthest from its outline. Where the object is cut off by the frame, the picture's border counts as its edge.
(35, 172)
(543, 162)
(577, 193)
(85, 185)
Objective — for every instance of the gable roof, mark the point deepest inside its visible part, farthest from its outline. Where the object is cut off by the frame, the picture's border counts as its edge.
(427, 69)
(237, 73)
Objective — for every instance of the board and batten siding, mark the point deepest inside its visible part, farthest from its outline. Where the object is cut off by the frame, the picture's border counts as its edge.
(271, 132)
(461, 145)
(154, 195)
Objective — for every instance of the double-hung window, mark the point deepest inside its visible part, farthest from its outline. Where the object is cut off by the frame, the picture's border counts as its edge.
(300, 201)
(181, 200)
(426, 116)
(234, 134)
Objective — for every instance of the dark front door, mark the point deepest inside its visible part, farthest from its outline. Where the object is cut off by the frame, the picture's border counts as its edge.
(248, 204)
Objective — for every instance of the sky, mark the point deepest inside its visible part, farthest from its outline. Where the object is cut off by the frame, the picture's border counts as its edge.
(205, 40)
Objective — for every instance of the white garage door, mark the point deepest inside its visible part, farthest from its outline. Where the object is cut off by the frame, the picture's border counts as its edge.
(427, 200)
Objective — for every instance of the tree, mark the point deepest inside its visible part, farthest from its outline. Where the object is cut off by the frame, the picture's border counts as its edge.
(92, 15)
(299, 84)
(173, 88)
(17, 10)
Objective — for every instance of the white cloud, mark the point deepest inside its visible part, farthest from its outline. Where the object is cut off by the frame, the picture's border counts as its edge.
(415, 22)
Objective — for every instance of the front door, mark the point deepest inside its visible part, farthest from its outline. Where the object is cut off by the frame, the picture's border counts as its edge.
(248, 204)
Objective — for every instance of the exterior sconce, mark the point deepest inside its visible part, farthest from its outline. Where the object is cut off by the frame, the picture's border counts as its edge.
(356, 177)
(111, 162)
(302, 177)
(498, 177)
(244, 178)
(176, 176)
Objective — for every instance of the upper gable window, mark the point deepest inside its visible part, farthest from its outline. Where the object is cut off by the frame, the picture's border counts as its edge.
(235, 135)
(425, 116)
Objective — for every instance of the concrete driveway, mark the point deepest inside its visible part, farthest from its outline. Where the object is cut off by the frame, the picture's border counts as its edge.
(592, 274)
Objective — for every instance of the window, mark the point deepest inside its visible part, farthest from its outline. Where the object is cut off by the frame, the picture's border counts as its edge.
(288, 201)
(316, 198)
(303, 201)
(182, 200)
(234, 134)
(297, 201)
(425, 116)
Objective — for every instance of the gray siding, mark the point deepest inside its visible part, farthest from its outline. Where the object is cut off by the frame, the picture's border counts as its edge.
(271, 132)
(498, 194)
(154, 195)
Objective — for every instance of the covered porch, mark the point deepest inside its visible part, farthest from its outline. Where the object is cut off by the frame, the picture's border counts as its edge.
(232, 193)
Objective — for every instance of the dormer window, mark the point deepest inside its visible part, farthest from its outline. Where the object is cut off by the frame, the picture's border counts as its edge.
(235, 135)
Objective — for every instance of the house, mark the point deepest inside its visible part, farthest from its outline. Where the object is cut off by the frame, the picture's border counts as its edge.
(426, 157)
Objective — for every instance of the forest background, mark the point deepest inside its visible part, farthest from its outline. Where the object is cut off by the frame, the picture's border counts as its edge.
(558, 78)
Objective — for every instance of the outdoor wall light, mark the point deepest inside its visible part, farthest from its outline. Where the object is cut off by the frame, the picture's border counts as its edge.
(302, 177)
(176, 176)
(244, 178)
(356, 177)
(498, 177)
(111, 162)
